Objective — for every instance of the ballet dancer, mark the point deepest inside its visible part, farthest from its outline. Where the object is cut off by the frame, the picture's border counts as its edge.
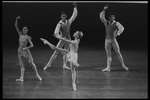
(63, 27)
(23, 50)
(71, 54)
(113, 28)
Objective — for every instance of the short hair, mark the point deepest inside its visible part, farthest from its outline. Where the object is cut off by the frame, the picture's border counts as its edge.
(63, 14)
(25, 27)
(111, 14)
(80, 34)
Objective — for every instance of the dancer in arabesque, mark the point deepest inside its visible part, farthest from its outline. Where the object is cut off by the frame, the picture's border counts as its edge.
(71, 54)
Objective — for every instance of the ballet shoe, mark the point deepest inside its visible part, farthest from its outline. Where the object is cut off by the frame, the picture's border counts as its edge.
(66, 67)
(38, 77)
(74, 87)
(126, 68)
(48, 65)
(106, 69)
(20, 79)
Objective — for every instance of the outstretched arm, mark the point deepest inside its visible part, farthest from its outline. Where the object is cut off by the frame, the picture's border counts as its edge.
(120, 28)
(102, 15)
(74, 15)
(66, 40)
(16, 25)
(31, 44)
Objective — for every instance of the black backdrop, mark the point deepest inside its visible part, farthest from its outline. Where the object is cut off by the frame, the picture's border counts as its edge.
(41, 20)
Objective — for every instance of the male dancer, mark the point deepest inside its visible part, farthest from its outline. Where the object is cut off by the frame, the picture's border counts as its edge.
(63, 27)
(113, 28)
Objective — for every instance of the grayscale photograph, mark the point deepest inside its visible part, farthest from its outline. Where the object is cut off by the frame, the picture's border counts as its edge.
(75, 49)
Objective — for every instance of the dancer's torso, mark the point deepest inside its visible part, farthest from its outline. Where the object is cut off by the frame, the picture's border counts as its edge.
(23, 40)
(74, 47)
(111, 30)
(65, 30)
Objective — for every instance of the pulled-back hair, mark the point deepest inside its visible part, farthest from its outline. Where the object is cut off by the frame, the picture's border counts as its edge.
(80, 34)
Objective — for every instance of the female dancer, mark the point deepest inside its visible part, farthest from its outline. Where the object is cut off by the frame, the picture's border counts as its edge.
(23, 50)
(71, 54)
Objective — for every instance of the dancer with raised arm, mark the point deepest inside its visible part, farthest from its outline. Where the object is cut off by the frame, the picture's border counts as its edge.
(71, 54)
(23, 50)
(63, 29)
(113, 29)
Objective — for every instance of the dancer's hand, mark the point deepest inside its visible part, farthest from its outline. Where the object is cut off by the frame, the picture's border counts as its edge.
(118, 33)
(75, 4)
(18, 17)
(24, 48)
(106, 7)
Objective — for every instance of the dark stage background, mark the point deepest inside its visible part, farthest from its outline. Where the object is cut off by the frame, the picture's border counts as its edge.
(41, 20)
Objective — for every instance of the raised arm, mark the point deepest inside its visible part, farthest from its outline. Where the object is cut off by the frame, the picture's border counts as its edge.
(74, 15)
(102, 15)
(120, 28)
(16, 25)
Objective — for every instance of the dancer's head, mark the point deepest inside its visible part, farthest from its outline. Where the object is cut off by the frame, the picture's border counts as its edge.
(63, 16)
(24, 30)
(78, 34)
(112, 17)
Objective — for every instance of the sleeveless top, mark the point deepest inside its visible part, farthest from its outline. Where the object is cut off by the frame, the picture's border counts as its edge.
(65, 30)
(111, 30)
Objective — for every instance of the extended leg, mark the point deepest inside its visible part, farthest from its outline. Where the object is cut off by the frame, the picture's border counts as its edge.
(108, 52)
(35, 69)
(58, 49)
(117, 50)
(33, 65)
(53, 57)
(22, 69)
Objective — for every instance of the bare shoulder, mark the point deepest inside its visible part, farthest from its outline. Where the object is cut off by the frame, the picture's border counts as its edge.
(29, 37)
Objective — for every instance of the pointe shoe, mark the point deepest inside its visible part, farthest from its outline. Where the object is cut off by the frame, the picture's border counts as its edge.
(66, 67)
(106, 69)
(48, 65)
(20, 79)
(74, 87)
(126, 68)
(38, 77)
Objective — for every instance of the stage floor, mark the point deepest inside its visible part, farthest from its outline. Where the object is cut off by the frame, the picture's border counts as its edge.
(91, 81)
